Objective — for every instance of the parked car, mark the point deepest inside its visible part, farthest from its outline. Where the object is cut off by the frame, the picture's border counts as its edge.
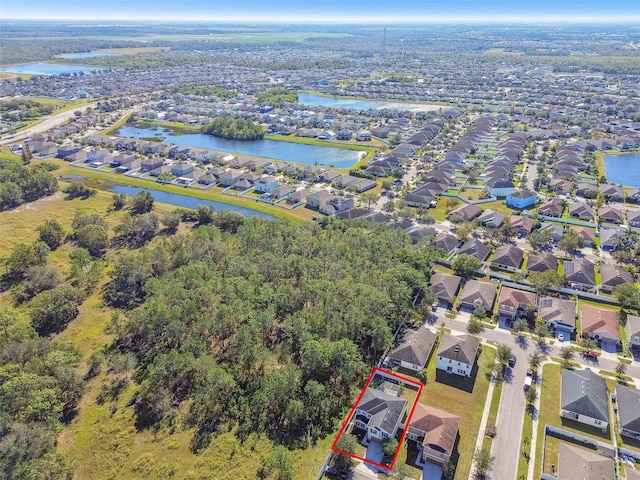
(512, 361)
(561, 337)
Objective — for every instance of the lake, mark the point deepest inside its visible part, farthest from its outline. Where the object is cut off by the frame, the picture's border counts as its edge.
(186, 201)
(50, 68)
(310, 99)
(274, 149)
(88, 55)
(623, 169)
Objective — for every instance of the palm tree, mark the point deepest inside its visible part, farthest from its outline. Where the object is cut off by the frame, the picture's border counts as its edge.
(567, 354)
(503, 354)
(535, 359)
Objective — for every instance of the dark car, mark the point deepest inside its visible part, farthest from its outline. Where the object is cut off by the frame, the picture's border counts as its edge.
(512, 361)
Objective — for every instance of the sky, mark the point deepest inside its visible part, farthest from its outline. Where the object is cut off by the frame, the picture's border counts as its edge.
(339, 11)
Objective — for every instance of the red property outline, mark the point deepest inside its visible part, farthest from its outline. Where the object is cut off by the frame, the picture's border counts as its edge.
(386, 373)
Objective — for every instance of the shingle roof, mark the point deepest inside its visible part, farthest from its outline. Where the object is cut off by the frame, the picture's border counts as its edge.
(578, 463)
(414, 347)
(541, 262)
(599, 321)
(443, 285)
(461, 348)
(612, 275)
(385, 409)
(475, 248)
(628, 401)
(585, 393)
(580, 271)
(554, 309)
(478, 293)
(508, 255)
(513, 297)
(441, 427)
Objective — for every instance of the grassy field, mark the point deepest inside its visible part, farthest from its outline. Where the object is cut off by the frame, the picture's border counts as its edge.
(462, 397)
(102, 441)
(12, 77)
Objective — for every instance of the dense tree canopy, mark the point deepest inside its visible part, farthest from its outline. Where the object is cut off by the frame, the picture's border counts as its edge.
(217, 310)
(234, 128)
(24, 183)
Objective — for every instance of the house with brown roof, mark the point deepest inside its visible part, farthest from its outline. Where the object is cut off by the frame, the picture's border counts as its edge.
(601, 325)
(561, 185)
(577, 463)
(512, 303)
(412, 349)
(478, 294)
(559, 314)
(541, 262)
(551, 207)
(445, 287)
(435, 430)
(607, 213)
(588, 235)
(508, 257)
(612, 275)
(467, 211)
(522, 224)
(457, 354)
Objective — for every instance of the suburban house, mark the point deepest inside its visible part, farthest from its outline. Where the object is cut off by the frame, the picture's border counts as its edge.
(413, 349)
(584, 398)
(266, 184)
(581, 211)
(491, 218)
(633, 195)
(335, 205)
(633, 217)
(446, 242)
(478, 294)
(555, 231)
(457, 354)
(475, 248)
(541, 262)
(522, 224)
(628, 402)
(613, 192)
(633, 331)
(612, 275)
(578, 463)
(580, 274)
(436, 430)
(586, 190)
(609, 214)
(608, 238)
(467, 211)
(512, 303)
(601, 325)
(319, 198)
(508, 257)
(379, 414)
(559, 315)
(499, 186)
(444, 287)
(588, 235)
(561, 185)
(552, 207)
(521, 199)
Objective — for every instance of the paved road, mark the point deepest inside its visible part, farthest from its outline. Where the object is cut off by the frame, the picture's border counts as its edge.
(506, 445)
(46, 124)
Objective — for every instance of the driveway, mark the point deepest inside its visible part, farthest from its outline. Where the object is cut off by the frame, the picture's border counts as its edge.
(374, 453)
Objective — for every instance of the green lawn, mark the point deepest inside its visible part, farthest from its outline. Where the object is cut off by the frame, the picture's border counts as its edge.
(550, 415)
(463, 397)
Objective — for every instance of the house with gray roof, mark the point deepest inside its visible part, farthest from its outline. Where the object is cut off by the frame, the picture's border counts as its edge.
(446, 242)
(628, 402)
(491, 218)
(417, 233)
(445, 287)
(633, 217)
(379, 414)
(580, 274)
(478, 294)
(499, 186)
(633, 331)
(555, 231)
(412, 349)
(581, 211)
(614, 192)
(608, 241)
(584, 398)
(521, 199)
(475, 248)
(457, 354)
(467, 211)
(552, 207)
(612, 275)
(578, 463)
(559, 314)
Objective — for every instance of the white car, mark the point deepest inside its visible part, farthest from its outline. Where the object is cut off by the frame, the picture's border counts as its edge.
(561, 337)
